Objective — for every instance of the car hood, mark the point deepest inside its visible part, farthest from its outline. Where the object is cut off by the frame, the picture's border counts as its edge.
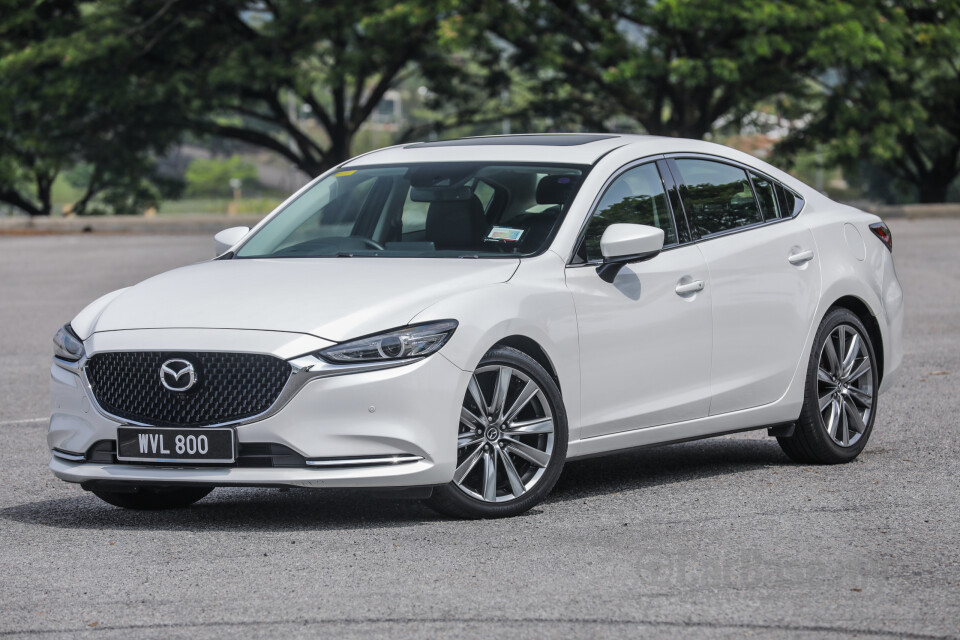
(332, 298)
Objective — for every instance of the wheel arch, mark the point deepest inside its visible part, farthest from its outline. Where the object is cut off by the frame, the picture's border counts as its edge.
(532, 348)
(860, 309)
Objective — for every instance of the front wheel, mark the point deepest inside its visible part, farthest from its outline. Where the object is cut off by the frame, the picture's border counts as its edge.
(151, 498)
(512, 439)
(840, 398)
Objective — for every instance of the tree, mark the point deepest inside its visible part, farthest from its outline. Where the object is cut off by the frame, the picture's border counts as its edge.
(64, 103)
(112, 84)
(249, 69)
(898, 110)
(675, 67)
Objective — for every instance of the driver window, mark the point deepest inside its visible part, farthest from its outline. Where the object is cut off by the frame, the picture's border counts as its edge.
(636, 197)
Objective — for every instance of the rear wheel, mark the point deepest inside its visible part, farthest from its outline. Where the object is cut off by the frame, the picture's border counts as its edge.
(512, 439)
(153, 498)
(840, 399)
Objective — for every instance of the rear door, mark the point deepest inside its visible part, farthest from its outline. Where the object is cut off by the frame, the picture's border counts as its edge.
(764, 278)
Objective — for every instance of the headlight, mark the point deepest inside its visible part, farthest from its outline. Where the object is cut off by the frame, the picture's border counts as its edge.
(66, 344)
(415, 341)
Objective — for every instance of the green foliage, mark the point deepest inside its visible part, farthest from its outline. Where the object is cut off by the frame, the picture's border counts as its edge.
(211, 177)
(897, 109)
(187, 206)
(66, 100)
(671, 67)
(97, 90)
(111, 84)
(245, 69)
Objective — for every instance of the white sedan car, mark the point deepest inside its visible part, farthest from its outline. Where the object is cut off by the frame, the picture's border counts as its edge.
(459, 318)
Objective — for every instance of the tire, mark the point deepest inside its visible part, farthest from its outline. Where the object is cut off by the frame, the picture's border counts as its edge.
(150, 498)
(514, 444)
(829, 381)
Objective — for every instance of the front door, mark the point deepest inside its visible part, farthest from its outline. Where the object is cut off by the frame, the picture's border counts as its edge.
(645, 346)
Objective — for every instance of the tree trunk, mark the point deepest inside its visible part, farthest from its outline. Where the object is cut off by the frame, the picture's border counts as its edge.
(20, 202)
(45, 191)
(340, 142)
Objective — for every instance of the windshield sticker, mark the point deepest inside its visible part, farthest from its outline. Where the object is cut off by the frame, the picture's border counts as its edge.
(344, 173)
(505, 234)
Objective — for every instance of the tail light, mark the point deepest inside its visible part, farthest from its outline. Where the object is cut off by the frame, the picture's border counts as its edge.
(882, 231)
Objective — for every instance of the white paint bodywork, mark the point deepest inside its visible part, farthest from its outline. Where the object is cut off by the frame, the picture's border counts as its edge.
(637, 362)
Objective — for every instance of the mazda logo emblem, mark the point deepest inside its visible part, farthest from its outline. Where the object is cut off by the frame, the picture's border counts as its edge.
(177, 375)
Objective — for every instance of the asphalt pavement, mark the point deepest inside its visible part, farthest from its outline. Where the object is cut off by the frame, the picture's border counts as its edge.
(717, 538)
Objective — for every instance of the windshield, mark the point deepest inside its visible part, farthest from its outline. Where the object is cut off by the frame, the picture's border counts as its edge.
(442, 210)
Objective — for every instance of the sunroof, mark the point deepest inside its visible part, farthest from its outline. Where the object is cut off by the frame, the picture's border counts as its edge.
(545, 140)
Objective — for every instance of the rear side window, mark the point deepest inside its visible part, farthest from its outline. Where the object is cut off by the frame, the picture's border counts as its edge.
(636, 197)
(766, 196)
(790, 203)
(717, 196)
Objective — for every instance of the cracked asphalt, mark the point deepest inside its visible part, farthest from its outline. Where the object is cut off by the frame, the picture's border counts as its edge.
(722, 538)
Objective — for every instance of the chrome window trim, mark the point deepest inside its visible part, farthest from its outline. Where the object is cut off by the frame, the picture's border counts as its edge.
(679, 156)
(748, 169)
(596, 202)
(304, 369)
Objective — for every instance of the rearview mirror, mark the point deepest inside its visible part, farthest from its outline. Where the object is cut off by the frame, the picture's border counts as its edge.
(228, 237)
(624, 243)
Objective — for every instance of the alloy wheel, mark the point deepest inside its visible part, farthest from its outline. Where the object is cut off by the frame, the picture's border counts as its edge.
(845, 385)
(506, 436)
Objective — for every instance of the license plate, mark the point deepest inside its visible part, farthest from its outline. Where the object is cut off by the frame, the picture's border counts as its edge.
(143, 444)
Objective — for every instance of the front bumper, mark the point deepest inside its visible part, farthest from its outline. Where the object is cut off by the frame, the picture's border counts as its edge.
(406, 416)
(422, 473)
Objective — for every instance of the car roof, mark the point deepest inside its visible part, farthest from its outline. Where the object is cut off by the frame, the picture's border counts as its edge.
(560, 148)
(553, 148)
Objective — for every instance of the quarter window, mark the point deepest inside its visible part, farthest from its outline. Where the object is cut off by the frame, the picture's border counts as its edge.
(766, 195)
(790, 203)
(636, 197)
(718, 196)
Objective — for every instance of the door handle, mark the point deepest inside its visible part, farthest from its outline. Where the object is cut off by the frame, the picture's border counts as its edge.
(800, 257)
(689, 287)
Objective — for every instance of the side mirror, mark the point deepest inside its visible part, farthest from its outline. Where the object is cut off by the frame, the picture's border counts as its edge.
(624, 243)
(228, 237)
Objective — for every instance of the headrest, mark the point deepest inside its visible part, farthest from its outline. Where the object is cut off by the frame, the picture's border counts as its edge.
(555, 189)
(457, 224)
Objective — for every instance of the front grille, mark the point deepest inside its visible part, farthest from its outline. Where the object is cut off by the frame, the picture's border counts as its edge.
(229, 386)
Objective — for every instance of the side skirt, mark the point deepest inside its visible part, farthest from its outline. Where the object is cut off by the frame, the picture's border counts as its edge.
(766, 417)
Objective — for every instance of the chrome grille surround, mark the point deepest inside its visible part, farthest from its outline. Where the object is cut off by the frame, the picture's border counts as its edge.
(231, 387)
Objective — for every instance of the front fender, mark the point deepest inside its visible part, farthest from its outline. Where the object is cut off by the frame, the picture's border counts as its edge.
(535, 304)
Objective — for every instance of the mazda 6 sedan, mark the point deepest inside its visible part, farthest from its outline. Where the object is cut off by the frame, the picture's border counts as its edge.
(459, 318)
